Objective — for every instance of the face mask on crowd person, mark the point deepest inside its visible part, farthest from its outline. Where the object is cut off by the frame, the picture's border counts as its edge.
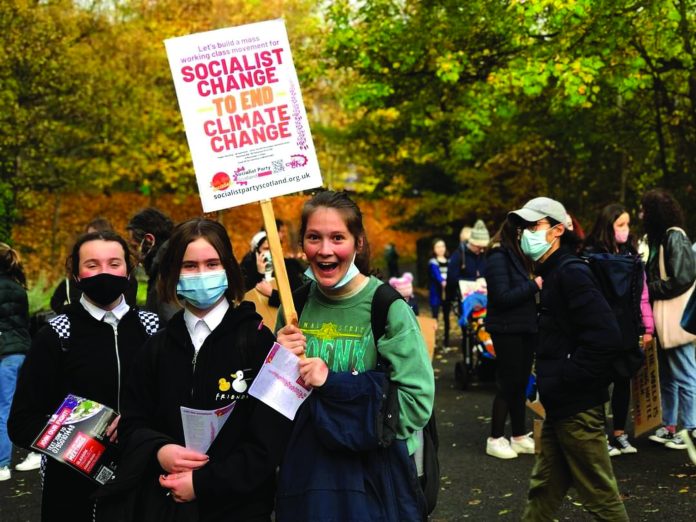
(203, 289)
(534, 244)
(103, 288)
(621, 236)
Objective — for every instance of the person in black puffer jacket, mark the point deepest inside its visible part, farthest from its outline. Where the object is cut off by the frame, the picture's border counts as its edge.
(579, 338)
(511, 319)
(14, 341)
(105, 335)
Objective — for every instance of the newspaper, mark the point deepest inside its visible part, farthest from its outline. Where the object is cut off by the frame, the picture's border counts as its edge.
(76, 436)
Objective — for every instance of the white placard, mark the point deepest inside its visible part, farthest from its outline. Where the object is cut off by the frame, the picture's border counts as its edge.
(243, 112)
(202, 426)
(279, 384)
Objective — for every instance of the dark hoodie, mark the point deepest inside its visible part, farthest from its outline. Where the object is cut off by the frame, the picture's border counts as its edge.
(238, 483)
(579, 337)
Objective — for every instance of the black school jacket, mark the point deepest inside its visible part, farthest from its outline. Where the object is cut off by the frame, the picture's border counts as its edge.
(93, 365)
(578, 338)
(238, 483)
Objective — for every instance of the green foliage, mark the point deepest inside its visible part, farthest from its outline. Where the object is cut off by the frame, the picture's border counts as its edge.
(590, 101)
(39, 294)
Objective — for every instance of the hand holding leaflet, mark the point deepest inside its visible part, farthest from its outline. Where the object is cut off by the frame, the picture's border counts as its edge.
(279, 384)
(202, 426)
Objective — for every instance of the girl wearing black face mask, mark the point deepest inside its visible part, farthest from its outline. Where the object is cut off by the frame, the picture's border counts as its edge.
(105, 334)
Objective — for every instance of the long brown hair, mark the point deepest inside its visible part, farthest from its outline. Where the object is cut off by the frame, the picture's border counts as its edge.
(602, 235)
(508, 236)
(352, 217)
(183, 234)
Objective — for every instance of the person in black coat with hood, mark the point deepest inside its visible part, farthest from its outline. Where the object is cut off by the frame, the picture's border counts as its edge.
(206, 358)
(511, 319)
(579, 339)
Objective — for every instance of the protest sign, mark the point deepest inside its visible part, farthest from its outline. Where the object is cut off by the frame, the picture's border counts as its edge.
(76, 436)
(647, 409)
(244, 117)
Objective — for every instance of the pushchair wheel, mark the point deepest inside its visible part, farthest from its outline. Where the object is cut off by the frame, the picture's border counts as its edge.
(461, 375)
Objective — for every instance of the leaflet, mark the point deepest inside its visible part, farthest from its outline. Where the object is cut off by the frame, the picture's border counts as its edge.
(76, 435)
(202, 426)
(279, 384)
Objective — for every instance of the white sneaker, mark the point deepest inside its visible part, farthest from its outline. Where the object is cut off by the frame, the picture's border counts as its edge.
(5, 473)
(500, 448)
(31, 462)
(525, 444)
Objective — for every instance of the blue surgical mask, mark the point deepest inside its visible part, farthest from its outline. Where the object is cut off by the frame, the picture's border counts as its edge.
(204, 289)
(534, 244)
(347, 277)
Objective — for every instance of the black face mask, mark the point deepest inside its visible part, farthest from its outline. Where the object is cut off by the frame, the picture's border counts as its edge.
(104, 288)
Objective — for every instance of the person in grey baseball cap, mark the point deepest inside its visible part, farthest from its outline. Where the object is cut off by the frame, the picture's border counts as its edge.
(579, 338)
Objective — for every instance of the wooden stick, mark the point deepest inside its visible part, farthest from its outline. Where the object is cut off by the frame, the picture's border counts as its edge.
(281, 274)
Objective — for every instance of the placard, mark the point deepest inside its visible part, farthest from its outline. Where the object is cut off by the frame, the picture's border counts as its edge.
(243, 113)
(645, 389)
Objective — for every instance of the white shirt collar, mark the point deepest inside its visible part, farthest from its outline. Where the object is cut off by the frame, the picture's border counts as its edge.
(212, 319)
(98, 313)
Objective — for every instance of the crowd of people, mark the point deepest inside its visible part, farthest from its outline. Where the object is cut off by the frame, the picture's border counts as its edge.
(546, 311)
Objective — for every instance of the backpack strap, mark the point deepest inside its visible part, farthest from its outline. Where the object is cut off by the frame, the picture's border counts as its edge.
(299, 297)
(61, 325)
(384, 296)
(382, 299)
(149, 320)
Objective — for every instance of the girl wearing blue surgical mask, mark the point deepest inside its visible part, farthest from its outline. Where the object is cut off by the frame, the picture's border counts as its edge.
(206, 358)
(332, 428)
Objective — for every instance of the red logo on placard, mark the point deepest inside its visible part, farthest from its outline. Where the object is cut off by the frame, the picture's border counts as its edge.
(220, 181)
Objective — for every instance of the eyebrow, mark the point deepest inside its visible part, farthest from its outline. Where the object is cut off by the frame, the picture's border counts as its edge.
(97, 260)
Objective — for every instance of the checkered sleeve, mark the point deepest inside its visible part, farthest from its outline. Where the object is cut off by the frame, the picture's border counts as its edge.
(149, 320)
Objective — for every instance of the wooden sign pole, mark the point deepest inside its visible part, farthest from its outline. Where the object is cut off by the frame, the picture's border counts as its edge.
(281, 274)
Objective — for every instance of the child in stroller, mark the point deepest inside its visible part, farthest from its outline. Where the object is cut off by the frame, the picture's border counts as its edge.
(478, 353)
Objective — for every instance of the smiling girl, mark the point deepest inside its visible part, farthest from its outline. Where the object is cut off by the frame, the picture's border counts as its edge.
(205, 358)
(343, 481)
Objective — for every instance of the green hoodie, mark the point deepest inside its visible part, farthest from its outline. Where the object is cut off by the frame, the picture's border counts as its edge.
(339, 331)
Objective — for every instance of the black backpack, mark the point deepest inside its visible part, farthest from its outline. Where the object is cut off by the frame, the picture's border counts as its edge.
(620, 279)
(384, 296)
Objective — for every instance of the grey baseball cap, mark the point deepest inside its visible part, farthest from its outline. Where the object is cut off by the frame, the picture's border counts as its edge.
(538, 208)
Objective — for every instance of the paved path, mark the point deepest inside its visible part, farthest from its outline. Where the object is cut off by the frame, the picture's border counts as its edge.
(657, 483)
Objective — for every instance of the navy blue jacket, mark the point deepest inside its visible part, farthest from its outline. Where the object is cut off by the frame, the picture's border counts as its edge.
(474, 267)
(578, 338)
(334, 470)
(511, 305)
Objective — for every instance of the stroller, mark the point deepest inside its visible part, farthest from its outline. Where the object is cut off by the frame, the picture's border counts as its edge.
(478, 353)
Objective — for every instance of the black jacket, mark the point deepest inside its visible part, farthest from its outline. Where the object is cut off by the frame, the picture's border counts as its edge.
(238, 483)
(14, 317)
(511, 305)
(680, 266)
(93, 365)
(579, 338)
